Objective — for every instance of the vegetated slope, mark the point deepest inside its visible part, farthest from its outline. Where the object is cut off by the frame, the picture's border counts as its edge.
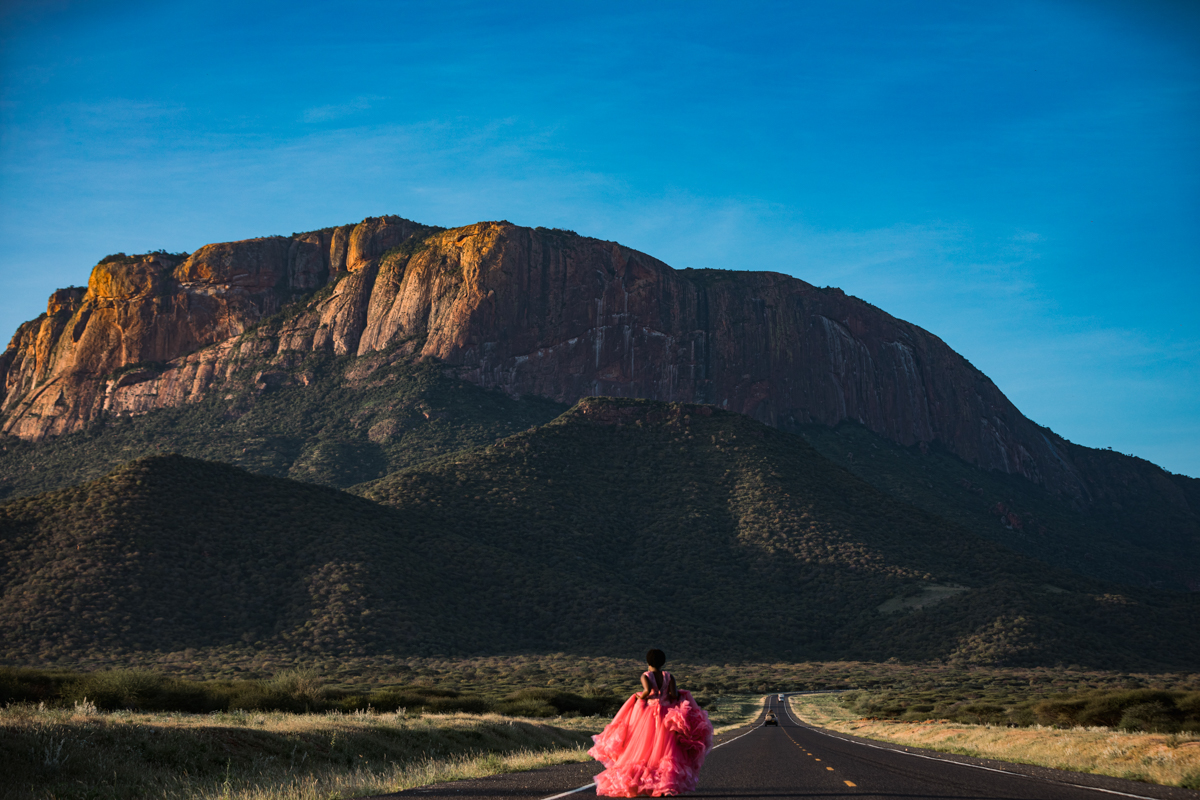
(1137, 541)
(169, 553)
(726, 526)
(337, 421)
(325, 420)
(620, 523)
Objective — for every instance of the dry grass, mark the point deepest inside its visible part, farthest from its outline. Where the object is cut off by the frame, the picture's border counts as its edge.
(79, 753)
(1168, 759)
(65, 753)
(734, 711)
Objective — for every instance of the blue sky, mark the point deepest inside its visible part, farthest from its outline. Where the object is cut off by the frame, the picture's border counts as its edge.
(1022, 178)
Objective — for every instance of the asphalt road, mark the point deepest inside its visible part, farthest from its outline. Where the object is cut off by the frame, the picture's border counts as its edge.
(796, 760)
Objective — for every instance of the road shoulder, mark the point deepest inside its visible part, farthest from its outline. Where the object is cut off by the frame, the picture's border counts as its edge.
(1104, 783)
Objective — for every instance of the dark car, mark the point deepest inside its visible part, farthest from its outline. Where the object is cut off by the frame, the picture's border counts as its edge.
(770, 719)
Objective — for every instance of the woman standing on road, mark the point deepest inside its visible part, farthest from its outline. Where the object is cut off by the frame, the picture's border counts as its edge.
(656, 742)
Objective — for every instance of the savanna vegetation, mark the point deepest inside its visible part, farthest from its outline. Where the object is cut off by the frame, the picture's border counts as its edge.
(1154, 710)
(566, 685)
(300, 690)
(125, 733)
(618, 523)
(372, 730)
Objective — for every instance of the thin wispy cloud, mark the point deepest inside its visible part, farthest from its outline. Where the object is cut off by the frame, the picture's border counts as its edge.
(340, 110)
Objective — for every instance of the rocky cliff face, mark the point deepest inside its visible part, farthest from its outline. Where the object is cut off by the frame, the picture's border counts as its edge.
(527, 310)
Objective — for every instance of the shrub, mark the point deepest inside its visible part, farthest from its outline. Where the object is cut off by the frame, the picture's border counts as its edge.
(536, 702)
(526, 708)
(464, 705)
(1155, 717)
(301, 686)
(982, 714)
(1058, 713)
(19, 685)
(139, 690)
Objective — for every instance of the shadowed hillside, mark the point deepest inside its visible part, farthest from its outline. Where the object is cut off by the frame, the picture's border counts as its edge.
(341, 421)
(1138, 541)
(815, 550)
(619, 522)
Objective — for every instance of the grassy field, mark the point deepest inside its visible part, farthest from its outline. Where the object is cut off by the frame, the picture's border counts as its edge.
(727, 713)
(1132, 706)
(895, 689)
(66, 748)
(81, 752)
(1168, 759)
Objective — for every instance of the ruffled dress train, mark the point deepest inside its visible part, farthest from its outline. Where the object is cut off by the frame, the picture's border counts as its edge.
(653, 747)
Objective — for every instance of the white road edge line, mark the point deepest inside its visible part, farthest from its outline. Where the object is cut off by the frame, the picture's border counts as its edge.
(593, 783)
(573, 791)
(787, 709)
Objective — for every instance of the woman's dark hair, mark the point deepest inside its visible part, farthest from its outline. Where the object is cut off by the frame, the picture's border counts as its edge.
(656, 658)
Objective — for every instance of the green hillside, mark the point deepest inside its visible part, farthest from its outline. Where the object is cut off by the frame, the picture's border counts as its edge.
(617, 524)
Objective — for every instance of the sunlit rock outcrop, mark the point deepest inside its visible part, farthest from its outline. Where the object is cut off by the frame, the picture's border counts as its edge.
(531, 311)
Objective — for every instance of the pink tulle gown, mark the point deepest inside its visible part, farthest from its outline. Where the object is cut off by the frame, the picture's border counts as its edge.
(653, 746)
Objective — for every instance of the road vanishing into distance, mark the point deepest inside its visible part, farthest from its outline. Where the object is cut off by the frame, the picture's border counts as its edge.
(797, 760)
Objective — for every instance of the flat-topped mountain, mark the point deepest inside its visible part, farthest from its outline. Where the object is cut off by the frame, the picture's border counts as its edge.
(548, 313)
(533, 311)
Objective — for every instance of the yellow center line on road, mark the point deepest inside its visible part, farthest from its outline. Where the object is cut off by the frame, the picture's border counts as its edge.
(828, 769)
(849, 783)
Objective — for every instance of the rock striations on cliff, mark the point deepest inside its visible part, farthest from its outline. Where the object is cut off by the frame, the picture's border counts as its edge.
(531, 311)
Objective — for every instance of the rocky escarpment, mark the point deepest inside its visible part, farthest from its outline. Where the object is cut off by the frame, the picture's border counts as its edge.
(135, 339)
(528, 310)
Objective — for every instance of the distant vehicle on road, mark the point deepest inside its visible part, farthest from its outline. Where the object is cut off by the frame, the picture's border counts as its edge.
(770, 719)
(781, 697)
